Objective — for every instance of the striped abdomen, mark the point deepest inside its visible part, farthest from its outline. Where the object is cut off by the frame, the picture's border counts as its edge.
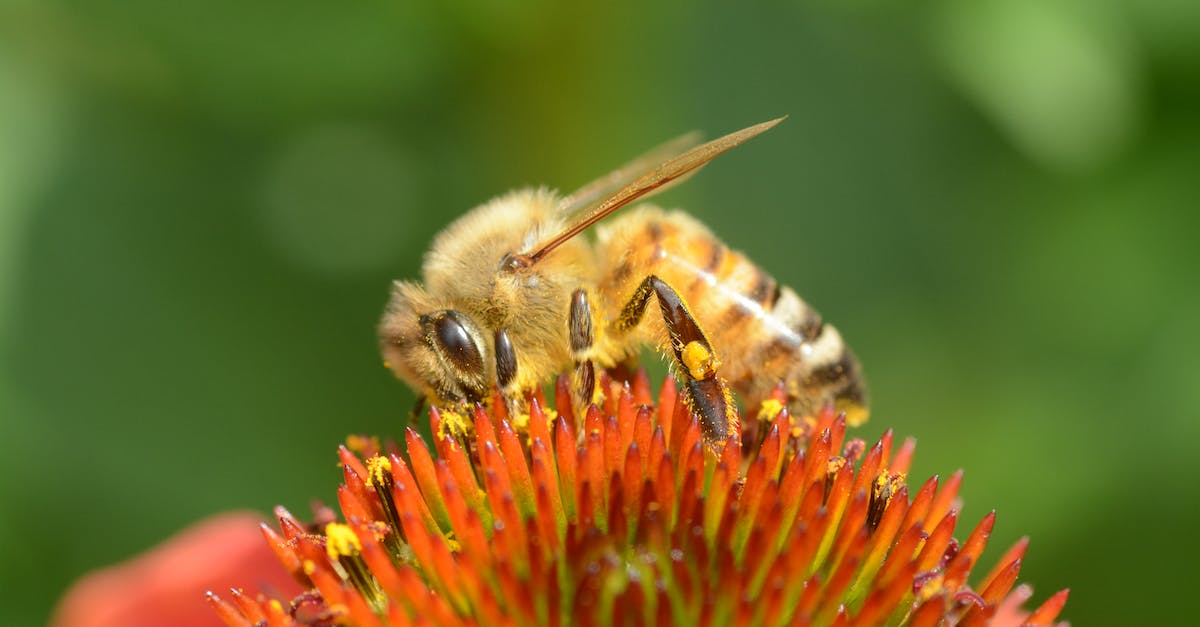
(763, 333)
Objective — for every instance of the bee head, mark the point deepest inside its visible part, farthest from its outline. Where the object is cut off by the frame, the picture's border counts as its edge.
(433, 346)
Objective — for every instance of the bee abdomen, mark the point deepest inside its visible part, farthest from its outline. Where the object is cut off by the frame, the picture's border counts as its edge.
(763, 333)
(816, 363)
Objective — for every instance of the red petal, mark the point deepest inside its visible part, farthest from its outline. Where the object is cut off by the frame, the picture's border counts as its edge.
(166, 586)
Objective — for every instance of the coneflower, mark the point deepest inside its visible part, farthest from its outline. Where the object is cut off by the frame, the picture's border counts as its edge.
(624, 516)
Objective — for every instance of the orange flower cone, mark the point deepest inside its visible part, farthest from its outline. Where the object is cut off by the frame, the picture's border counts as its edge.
(624, 516)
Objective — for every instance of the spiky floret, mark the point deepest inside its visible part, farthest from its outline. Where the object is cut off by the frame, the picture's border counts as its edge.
(624, 516)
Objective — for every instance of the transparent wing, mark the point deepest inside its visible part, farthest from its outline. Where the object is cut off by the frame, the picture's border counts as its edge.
(639, 179)
(596, 190)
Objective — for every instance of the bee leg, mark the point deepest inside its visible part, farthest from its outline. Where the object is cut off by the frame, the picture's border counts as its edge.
(705, 391)
(582, 337)
(418, 409)
(506, 372)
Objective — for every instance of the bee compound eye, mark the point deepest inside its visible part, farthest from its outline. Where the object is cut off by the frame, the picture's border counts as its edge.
(455, 342)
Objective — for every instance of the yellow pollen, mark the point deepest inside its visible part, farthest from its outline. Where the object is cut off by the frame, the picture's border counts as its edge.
(361, 443)
(454, 425)
(276, 605)
(835, 465)
(891, 481)
(309, 567)
(699, 361)
(769, 410)
(378, 467)
(340, 540)
(931, 588)
(387, 364)
(797, 430)
(856, 414)
(887, 484)
(521, 422)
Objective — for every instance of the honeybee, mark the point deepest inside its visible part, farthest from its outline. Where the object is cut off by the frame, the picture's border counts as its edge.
(511, 296)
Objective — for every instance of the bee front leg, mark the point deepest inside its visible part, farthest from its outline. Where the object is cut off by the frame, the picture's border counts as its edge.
(506, 372)
(579, 324)
(705, 392)
(416, 414)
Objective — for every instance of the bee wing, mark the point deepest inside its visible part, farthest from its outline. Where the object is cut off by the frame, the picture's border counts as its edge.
(591, 193)
(641, 178)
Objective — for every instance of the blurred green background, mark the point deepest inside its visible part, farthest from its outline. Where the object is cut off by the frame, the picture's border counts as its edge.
(202, 205)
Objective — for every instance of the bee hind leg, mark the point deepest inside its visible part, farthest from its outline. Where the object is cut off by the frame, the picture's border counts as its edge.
(705, 392)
